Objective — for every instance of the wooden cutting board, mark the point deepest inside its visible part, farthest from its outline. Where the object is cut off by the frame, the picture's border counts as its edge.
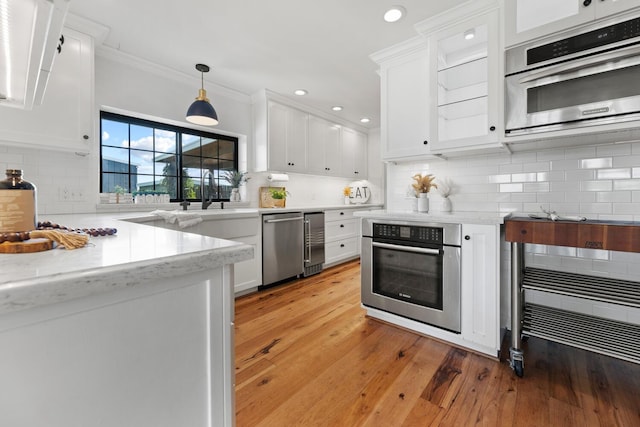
(28, 246)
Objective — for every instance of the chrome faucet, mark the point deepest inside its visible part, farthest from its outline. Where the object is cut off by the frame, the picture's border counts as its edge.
(206, 201)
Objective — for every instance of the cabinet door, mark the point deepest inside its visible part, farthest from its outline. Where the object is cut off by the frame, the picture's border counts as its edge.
(297, 134)
(480, 277)
(465, 85)
(287, 133)
(606, 8)
(405, 106)
(277, 136)
(354, 154)
(64, 121)
(323, 147)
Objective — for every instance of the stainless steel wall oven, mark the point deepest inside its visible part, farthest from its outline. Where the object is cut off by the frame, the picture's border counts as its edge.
(412, 269)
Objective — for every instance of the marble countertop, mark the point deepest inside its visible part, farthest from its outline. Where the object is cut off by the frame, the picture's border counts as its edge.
(489, 218)
(136, 253)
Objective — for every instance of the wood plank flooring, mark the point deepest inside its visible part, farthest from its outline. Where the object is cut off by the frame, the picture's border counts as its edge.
(306, 355)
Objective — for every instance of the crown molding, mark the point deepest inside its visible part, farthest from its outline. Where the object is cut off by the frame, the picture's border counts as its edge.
(164, 71)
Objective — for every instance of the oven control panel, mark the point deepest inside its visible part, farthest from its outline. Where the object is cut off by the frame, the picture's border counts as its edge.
(409, 233)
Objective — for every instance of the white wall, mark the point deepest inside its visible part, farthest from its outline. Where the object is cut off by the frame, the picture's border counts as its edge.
(130, 86)
(598, 182)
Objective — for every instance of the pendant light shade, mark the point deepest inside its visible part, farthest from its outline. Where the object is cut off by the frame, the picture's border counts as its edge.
(201, 112)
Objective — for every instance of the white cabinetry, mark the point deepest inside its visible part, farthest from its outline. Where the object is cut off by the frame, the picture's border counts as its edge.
(404, 92)
(354, 154)
(324, 147)
(247, 274)
(466, 85)
(289, 139)
(64, 121)
(527, 20)
(341, 231)
(480, 278)
(287, 130)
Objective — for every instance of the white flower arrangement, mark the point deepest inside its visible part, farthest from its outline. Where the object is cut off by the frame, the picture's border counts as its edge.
(445, 187)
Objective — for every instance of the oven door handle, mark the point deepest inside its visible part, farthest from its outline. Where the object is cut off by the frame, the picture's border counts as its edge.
(407, 248)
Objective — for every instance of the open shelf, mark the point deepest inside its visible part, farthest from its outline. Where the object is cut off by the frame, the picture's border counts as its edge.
(603, 289)
(609, 337)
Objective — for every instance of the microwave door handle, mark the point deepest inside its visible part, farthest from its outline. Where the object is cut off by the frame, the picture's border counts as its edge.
(620, 58)
(415, 249)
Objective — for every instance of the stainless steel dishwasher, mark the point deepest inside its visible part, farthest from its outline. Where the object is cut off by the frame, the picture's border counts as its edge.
(282, 247)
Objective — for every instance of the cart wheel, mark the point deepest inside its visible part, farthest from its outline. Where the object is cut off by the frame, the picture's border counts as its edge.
(518, 367)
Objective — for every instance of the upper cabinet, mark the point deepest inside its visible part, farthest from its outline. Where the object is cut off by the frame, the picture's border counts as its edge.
(354, 154)
(527, 20)
(287, 130)
(64, 121)
(404, 80)
(324, 144)
(288, 139)
(466, 85)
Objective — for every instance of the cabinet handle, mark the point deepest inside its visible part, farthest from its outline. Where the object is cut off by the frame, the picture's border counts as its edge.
(425, 142)
(61, 39)
(341, 213)
(59, 48)
(586, 3)
(85, 137)
(492, 128)
(467, 237)
(341, 225)
(342, 245)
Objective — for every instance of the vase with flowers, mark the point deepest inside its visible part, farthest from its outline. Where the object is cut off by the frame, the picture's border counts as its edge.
(236, 179)
(445, 189)
(422, 185)
(346, 192)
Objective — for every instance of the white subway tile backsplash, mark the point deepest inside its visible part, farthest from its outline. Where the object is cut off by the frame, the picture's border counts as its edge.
(621, 173)
(586, 152)
(597, 185)
(610, 312)
(511, 188)
(613, 150)
(536, 187)
(596, 182)
(626, 184)
(524, 177)
(580, 175)
(626, 161)
(614, 196)
(596, 163)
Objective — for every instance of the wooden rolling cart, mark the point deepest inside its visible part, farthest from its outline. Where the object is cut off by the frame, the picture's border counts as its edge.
(609, 337)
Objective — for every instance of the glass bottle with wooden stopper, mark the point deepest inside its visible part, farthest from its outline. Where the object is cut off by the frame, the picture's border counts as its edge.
(18, 211)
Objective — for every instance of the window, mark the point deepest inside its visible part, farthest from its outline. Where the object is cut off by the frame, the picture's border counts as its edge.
(144, 156)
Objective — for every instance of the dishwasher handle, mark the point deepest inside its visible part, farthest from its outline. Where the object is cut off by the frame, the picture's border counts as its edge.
(271, 221)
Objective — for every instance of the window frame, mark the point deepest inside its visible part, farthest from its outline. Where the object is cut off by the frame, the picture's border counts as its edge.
(180, 131)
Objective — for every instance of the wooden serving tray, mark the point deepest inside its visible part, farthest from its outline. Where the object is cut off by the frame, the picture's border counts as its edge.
(266, 201)
(607, 235)
(28, 246)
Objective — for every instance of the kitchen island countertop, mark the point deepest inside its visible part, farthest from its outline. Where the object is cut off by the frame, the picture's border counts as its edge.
(136, 253)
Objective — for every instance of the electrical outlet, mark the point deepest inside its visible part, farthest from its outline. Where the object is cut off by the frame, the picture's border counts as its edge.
(79, 194)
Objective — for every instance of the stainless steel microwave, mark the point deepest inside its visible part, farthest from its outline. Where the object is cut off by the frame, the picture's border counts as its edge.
(588, 76)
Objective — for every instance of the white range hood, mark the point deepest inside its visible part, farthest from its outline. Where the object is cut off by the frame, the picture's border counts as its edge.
(29, 42)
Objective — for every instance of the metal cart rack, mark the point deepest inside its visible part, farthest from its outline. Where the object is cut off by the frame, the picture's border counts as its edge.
(612, 338)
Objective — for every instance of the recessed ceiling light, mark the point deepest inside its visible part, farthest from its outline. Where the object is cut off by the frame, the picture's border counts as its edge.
(394, 14)
(365, 120)
(300, 92)
(469, 34)
(337, 108)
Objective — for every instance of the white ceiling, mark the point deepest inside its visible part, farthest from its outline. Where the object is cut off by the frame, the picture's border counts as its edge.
(322, 46)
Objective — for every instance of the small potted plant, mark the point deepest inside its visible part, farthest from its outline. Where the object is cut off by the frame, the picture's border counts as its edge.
(422, 185)
(279, 196)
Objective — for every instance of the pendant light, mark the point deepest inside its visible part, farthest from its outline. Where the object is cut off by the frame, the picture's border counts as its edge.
(201, 112)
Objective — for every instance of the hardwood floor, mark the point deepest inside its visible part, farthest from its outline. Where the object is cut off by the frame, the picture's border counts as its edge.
(306, 355)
